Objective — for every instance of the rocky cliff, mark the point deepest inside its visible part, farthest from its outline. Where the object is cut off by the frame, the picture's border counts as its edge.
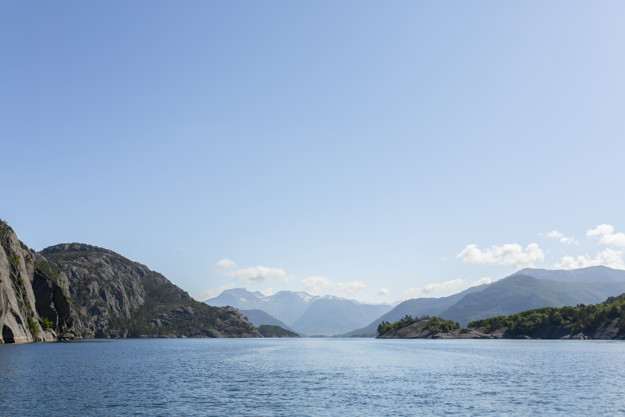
(33, 307)
(77, 290)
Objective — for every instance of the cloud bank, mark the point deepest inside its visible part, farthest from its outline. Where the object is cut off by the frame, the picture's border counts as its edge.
(251, 275)
(608, 257)
(511, 254)
(606, 235)
(567, 240)
(317, 285)
(446, 286)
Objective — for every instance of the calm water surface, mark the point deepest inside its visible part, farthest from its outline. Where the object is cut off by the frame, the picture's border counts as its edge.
(313, 377)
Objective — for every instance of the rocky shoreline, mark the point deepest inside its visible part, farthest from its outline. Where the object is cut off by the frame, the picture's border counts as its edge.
(419, 330)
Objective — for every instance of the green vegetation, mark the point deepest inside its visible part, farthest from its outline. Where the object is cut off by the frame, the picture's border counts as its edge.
(46, 324)
(169, 310)
(15, 260)
(33, 327)
(582, 318)
(434, 324)
(275, 331)
(49, 269)
(438, 325)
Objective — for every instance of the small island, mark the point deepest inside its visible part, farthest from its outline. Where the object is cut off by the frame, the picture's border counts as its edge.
(599, 321)
(267, 330)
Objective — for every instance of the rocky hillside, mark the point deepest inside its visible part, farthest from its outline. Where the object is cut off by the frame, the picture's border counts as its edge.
(77, 290)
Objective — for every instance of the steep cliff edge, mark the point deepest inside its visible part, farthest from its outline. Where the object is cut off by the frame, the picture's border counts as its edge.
(33, 306)
(75, 290)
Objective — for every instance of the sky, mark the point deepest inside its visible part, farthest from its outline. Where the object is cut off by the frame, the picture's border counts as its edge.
(371, 150)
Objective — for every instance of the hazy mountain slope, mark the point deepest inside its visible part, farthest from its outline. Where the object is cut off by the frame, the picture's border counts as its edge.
(415, 307)
(330, 316)
(289, 306)
(260, 318)
(236, 297)
(286, 306)
(520, 292)
(591, 273)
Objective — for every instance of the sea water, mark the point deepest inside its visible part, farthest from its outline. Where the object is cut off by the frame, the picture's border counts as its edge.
(313, 377)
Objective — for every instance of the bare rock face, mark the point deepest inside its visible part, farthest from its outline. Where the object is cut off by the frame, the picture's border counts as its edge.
(32, 306)
(114, 297)
(74, 290)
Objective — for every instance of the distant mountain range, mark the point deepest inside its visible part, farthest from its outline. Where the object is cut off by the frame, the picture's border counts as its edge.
(593, 273)
(301, 312)
(524, 290)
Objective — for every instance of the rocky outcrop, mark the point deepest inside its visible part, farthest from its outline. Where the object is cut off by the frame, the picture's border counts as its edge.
(427, 328)
(74, 290)
(268, 330)
(32, 306)
(610, 330)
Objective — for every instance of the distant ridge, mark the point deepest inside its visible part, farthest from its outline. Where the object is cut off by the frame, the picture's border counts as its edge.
(413, 307)
(524, 290)
(591, 273)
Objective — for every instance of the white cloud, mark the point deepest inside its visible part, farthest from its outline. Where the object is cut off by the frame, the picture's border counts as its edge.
(606, 235)
(412, 292)
(482, 281)
(316, 285)
(268, 291)
(213, 293)
(443, 286)
(251, 275)
(224, 264)
(349, 288)
(258, 274)
(554, 234)
(447, 286)
(384, 291)
(511, 254)
(567, 240)
(608, 257)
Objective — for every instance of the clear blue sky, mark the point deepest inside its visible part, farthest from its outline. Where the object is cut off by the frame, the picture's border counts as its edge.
(363, 144)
